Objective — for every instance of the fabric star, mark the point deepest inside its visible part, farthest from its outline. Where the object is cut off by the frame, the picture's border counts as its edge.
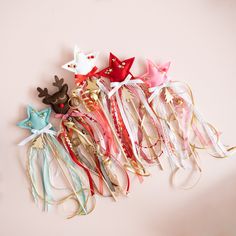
(156, 75)
(82, 63)
(117, 70)
(36, 120)
(92, 85)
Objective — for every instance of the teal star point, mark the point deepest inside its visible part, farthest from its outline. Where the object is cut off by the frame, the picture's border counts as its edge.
(36, 120)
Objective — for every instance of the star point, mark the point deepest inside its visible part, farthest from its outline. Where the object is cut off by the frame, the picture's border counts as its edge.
(82, 63)
(36, 119)
(117, 70)
(156, 75)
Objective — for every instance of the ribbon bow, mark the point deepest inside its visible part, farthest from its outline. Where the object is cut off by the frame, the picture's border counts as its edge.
(117, 85)
(156, 90)
(80, 78)
(46, 129)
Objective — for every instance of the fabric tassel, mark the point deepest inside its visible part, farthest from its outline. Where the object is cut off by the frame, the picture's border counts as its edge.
(183, 128)
(93, 148)
(120, 78)
(45, 149)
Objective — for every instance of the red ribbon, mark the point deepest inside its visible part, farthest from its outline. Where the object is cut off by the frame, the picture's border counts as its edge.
(74, 158)
(80, 78)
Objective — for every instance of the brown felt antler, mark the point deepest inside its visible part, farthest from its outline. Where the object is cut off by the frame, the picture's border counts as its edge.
(43, 92)
(58, 82)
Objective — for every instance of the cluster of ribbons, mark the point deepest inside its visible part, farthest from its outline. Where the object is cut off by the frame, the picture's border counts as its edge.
(113, 125)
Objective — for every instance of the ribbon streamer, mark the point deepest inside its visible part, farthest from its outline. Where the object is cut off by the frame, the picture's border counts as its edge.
(117, 85)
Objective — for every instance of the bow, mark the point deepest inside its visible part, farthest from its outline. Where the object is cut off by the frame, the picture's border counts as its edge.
(80, 78)
(46, 129)
(117, 85)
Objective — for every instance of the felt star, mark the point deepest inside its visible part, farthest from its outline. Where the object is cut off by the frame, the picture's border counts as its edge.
(92, 85)
(117, 70)
(156, 75)
(36, 120)
(82, 63)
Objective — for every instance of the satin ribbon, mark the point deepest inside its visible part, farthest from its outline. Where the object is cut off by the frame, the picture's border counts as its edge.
(161, 126)
(80, 78)
(216, 143)
(75, 159)
(156, 90)
(102, 87)
(46, 129)
(117, 85)
(127, 125)
(219, 147)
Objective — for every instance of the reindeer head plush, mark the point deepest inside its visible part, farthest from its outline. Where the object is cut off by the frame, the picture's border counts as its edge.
(58, 100)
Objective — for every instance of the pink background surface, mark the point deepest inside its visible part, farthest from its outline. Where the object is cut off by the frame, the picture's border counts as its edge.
(199, 37)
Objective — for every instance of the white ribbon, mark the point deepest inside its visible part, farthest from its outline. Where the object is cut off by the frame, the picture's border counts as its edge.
(102, 87)
(162, 127)
(117, 85)
(219, 147)
(156, 90)
(217, 144)
(46, 129)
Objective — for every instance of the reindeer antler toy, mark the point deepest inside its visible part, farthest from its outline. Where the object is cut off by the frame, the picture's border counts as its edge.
(58, 100)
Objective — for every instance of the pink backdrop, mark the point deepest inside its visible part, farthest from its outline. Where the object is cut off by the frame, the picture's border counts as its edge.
(199, 37)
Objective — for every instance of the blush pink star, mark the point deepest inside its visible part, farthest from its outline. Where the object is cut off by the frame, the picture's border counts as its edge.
(156, 75)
